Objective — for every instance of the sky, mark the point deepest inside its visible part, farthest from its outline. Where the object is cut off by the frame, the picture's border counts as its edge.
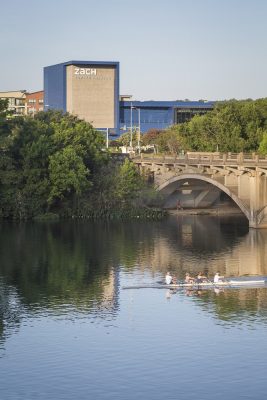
(167, 49)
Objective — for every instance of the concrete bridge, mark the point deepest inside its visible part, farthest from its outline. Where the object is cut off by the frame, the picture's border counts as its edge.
(197, 180)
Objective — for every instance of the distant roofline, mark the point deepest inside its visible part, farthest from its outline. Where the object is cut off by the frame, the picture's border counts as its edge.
(14, 91)
(72, 62)
(170, 103)
(37, 91)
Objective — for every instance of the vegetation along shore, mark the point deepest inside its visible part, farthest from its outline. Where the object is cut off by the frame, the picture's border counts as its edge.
(54, 165)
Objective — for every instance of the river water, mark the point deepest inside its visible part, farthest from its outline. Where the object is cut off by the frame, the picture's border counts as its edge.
(70, 330)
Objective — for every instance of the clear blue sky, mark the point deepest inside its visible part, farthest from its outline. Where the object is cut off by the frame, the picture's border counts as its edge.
(167, 49)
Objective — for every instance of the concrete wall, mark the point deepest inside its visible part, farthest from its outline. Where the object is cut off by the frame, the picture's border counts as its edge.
(91, 94)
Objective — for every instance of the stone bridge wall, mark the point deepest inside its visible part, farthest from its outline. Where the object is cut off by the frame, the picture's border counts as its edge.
(241, 176)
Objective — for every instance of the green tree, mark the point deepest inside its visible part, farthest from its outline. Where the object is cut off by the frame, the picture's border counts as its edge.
(46, 160)
(125, 139)
(87, 142)
(3, 109)
(67, 174)
(129, 184)
(170, 141)
(263, 144)
(231, 126)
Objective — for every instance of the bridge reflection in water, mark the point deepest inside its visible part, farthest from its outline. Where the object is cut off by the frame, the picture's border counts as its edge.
(207, 243)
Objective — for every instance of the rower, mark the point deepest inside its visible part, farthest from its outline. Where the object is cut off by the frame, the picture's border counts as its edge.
(217, 278)
(169, 279)
(188, 279)
(201, 278)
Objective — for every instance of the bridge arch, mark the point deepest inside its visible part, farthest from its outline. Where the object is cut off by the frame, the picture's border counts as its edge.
(183, 177)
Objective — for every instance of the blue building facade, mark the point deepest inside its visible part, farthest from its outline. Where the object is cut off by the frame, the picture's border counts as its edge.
(159, 114)
(90, 90)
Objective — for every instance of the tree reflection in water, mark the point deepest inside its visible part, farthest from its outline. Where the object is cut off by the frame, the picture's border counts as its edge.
(76, 265)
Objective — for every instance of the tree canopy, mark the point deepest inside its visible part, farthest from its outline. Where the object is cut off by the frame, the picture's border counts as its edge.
(233, 126)
(55, 163)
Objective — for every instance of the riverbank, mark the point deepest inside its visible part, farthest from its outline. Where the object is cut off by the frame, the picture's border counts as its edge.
(145, 213)
(207, 211)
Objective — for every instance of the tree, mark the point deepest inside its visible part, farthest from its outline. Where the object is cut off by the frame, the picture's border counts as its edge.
(87, 142)
(125, 138)
(231, 126)
(45, 161)
(129, 183)
(170, 141)
(67, 174)
(263, 144)
(3, 108)
(150, 137)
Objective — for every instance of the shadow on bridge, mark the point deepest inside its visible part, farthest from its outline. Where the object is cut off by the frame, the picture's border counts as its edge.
(198, 179)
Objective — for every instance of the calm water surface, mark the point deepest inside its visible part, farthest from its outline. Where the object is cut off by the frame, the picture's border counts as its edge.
(69, 329)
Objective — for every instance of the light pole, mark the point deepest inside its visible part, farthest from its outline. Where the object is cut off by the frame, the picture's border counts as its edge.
(139, 129)
(107, 139)
(131, 127)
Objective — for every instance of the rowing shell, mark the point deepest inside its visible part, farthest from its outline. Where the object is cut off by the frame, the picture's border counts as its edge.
(230, 283)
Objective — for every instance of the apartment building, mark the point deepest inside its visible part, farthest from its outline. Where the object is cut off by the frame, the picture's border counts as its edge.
(16, 101)
(20, 102)
(34, 102)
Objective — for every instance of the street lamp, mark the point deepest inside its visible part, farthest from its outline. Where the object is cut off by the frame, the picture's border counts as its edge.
(139, 127)
(107, 136)
(131, 127)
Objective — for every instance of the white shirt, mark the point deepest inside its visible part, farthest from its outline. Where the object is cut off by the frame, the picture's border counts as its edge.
(216, 278)
(168, 279)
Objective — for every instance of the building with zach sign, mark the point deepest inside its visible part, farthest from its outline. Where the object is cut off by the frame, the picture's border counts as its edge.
(88, 89)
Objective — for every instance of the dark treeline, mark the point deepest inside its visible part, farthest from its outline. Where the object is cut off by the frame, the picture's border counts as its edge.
(232, 126)
(54, 165)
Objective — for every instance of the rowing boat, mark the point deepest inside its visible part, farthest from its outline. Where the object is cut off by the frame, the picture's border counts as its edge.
(230, 283)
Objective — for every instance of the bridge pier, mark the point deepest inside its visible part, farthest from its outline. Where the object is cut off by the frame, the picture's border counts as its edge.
(258, 219)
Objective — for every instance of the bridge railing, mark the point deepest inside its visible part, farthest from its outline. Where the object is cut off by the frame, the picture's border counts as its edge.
(203, 158)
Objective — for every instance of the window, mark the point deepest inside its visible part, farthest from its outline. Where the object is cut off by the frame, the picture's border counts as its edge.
(19, 102)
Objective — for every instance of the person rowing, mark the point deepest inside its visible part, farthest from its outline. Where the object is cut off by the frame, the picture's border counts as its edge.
(201, 278)
(169, 279)
(218, 278)
(189, 279)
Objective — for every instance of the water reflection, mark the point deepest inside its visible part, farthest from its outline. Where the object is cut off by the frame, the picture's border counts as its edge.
(228, 306)
(209, 244)
(73, 269)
